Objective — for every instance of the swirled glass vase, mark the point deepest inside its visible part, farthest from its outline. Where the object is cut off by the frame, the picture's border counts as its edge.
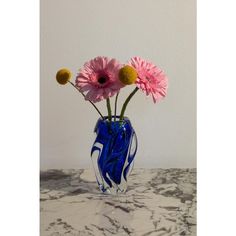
(113, 154)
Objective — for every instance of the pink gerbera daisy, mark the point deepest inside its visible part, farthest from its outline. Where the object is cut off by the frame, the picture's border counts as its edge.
(151, 80)
(99, 79)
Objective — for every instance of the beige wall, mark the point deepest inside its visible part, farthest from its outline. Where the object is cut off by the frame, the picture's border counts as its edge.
(163, 31)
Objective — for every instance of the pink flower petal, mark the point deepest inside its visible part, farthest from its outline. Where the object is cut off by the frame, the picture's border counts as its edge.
(87, 78)
(151, 79)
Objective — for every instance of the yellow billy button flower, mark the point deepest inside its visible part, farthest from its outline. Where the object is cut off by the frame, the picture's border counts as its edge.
(63, 76)
(128, 75)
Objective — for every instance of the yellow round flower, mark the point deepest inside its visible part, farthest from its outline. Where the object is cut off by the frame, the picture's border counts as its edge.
(128, 75)
(63, 76)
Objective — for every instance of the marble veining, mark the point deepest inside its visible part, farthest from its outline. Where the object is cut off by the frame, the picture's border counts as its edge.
(158, 202)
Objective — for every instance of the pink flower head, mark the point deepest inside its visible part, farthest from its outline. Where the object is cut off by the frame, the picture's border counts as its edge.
(99, 78)
(151, 80)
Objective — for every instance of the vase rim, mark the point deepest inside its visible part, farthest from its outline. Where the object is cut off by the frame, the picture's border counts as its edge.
(105, 118)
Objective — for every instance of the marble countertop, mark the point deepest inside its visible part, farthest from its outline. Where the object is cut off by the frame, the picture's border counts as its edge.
(158, 202)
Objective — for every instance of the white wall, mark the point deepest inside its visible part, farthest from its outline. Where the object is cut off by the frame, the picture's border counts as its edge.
(163, 31)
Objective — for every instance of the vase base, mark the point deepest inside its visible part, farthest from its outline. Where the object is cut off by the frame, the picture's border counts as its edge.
(112, 191)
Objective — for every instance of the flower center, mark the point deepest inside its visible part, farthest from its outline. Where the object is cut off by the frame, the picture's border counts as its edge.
(102, 80)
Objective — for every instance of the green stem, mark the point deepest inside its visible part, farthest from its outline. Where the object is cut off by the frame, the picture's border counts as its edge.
(88, 100)
(126, 103)
(109, 109)
(116, 105)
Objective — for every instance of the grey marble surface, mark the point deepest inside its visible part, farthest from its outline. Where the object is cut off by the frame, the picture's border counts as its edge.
(158, 202)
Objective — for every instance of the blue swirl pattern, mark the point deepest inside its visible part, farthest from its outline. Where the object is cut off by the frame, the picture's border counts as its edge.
(113, 154)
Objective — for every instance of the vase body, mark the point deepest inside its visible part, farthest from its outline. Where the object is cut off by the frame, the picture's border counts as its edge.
(113, 154)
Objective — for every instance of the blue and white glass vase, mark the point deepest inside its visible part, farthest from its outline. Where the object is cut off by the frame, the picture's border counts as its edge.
(113, 154)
